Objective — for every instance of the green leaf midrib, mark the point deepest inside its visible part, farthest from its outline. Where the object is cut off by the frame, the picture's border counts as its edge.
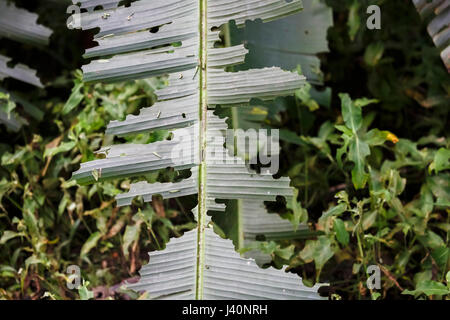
(203, 108)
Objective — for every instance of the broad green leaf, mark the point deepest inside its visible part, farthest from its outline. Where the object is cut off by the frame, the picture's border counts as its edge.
(319, 251)
(440, 188)
(442, 160)
(84, 292)
(342, 234)
(426, 202)
(375, 295)
(423, 276)
(429, 288)
(369, 219)
(358, 151)
(90, 243)
(30, 219)
(8, 235)
(300, 213)
(291, 137)
(63, 147)
(442, 257)
(362, 102)
(377, 137)
(354, 20)
(402, 259)
(431, 240)
(334, 211)
(352, 115)
(74, 100)
(33, 260)
(131, 235)
(374, 53)
(285, 253)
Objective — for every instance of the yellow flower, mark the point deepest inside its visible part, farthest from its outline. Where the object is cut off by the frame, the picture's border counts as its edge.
(392, 137)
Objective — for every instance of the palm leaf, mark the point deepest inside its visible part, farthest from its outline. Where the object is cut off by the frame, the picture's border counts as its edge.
(304, 36)
(189, 267)
(90, 5)
(11, 120)
(247, 223)
(19, 71)
(437, 13)
(20, 25)
(226, 275)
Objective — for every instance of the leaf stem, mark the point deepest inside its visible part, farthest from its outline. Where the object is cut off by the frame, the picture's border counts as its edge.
(203, 109)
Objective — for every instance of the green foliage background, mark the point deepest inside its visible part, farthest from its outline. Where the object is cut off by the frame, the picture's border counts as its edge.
(371, 168)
